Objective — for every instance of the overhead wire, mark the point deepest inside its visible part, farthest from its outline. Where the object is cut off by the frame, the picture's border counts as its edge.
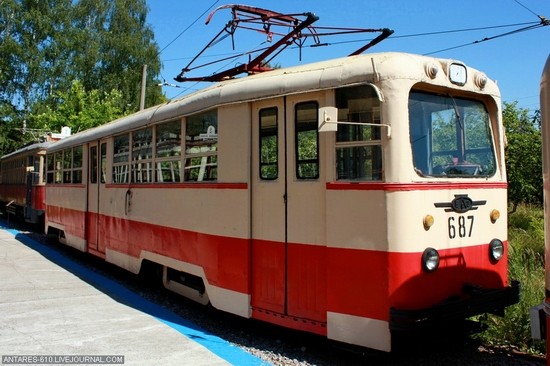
(530, 25)
(220, 68)
(537, 25)
(393, 37)
(190, 25)
(185, 30)
(531, 11)
(525, 27)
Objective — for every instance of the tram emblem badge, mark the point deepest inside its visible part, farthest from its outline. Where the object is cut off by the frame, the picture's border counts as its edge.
(462, 203)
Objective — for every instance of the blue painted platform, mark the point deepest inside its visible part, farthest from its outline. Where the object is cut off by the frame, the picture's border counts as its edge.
(52, 306)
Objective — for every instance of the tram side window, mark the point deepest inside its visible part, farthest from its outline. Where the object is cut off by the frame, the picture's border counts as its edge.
(50, 167)
(93, 164)
(23, 171)
(103, 161)
(67, 163)
(64, 166)
(44, 166)
(121, 159)
(168, 152)
(9, 172)
(59, 167)
(269, 166)
(77, 165)
(142, 154)
(201, 147)
(30, 164)
(307, 141)
(358, 147)
(37, 176)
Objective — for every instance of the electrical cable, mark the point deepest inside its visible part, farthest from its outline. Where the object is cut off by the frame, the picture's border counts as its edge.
(538, 25)
(185, 30)
(220, 68)
(531, 11)
(190, 25)
(393, 37)
(528, 26)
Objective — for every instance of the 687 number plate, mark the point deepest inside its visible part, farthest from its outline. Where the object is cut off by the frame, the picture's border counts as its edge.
(461, 226)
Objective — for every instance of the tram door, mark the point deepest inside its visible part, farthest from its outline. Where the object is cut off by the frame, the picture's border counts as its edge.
(28, 202)
(96, 179)
(288, 209)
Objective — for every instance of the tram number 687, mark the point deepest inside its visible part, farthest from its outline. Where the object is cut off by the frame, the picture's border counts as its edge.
(462, 227)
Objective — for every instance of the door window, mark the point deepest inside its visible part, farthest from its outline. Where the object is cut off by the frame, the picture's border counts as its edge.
(307, 141)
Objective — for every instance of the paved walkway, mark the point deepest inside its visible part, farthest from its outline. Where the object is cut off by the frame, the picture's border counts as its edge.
(51, 306)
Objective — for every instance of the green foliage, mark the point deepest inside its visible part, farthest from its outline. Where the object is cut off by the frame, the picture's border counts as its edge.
(526, 232)
(30, 51)
(526, 251)
(46, 45)
(113, 42)
(525, 264)
(80, 110)
(10, 138)
(523, 155)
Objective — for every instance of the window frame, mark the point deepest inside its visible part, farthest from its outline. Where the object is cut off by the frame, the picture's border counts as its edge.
(310, 126)
(373, 127)
(209, 157)
(120, 171)
(62, 167)
(459, 156)
(263, 134)
(173, 165)
(141, 166)
(174, 159)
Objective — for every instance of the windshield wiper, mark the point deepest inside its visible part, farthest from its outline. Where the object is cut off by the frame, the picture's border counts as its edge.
(457, 113)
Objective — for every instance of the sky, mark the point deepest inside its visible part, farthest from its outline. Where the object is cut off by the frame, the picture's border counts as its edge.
(515, 61)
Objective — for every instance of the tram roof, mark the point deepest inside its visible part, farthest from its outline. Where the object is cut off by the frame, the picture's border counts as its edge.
(279, 82)
(30, 147)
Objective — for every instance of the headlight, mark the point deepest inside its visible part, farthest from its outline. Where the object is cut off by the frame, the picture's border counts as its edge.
(496, 250)
(430, 260)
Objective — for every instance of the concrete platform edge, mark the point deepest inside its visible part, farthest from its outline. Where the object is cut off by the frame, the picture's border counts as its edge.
(215, 344)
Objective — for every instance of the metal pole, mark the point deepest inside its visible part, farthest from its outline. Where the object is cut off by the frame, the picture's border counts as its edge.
(143, 84)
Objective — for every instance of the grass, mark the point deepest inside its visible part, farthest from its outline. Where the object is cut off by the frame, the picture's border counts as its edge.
(526, 264)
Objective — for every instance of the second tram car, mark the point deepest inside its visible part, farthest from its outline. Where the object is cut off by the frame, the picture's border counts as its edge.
(358, 198)
(22, 180)
(22, 185)
(538, 318)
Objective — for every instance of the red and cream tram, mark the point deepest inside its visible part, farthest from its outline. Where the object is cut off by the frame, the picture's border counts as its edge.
(358, 198)
(542, 331)
(22, 185)
(22, 179)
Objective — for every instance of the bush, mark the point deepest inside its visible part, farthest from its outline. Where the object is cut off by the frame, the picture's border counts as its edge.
(525, 264)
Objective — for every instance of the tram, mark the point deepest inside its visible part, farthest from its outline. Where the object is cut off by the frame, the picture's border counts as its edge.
(22, 191)
(541, 320)
(362, 198)
(22, 180)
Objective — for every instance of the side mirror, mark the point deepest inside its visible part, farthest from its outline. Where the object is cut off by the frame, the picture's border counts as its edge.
(328, 119)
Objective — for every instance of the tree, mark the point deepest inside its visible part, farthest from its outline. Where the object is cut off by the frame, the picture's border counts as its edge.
(30, 52)
(45, 45)
(113, 42)
(80, 110)
(523, 155)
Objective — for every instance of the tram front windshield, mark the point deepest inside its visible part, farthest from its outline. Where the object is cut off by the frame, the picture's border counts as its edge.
(450, 137)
